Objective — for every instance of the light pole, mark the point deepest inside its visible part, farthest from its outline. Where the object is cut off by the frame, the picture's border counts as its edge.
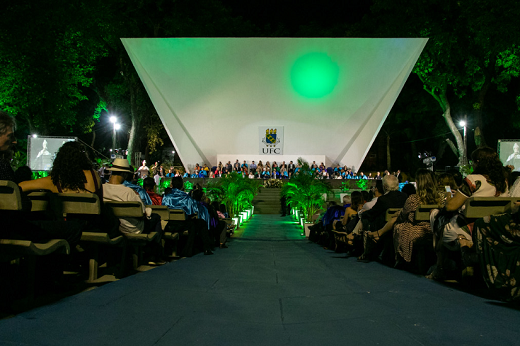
(116, 126)
(465, 155)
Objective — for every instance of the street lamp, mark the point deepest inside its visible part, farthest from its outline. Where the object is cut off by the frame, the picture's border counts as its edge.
(464, 156)
(116, 126)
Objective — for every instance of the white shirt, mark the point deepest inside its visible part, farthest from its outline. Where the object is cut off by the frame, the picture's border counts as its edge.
(143, 171)
(368, 205)
(119, 192)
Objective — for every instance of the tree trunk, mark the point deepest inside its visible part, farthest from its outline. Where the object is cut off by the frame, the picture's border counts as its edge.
(454, 130)
(129, 78)
(388, 157)
(479, 107)
(93, 138)
(132, 138)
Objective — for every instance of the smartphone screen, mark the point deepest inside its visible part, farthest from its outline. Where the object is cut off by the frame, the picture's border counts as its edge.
(448, 189)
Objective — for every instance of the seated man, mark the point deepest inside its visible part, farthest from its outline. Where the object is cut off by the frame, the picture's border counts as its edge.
(138, 189)
(115, 190)
(374, 219)
(149, 187)
(196, 226)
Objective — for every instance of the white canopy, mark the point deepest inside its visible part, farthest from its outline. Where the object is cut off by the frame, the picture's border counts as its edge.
(330, 95)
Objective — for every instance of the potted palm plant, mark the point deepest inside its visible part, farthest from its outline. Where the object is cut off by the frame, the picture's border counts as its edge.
(305, 192)
(233, 190)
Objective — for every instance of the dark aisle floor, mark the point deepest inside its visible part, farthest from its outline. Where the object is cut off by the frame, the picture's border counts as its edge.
(271, 287)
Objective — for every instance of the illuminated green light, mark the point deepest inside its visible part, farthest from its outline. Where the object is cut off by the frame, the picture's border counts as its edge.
(314, 75)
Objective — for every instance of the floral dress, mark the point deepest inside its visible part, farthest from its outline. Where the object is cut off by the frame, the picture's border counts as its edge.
(407, 231)
(498, 248)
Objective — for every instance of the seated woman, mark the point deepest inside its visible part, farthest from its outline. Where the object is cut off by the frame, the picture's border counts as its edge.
(357, 202)
(446, 180)
(71, 172)
(453, 233)
(407, 230)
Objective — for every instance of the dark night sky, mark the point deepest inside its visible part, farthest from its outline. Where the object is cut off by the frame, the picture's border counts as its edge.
(293, 13)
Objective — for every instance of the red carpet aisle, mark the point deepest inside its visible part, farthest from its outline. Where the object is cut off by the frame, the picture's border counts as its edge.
(269, 288)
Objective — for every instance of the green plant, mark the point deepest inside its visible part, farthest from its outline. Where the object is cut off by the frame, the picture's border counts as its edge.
(233, 190)
(345, 186)
(39, 174)
(305, 191)
(19, 160)
(466, 170)
(362, 184)
(188, 186)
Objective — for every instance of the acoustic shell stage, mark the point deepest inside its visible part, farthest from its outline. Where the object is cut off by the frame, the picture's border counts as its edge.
(319, 97)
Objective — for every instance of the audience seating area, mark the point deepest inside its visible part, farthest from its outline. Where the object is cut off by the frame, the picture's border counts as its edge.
(424, 255)
(98, 246)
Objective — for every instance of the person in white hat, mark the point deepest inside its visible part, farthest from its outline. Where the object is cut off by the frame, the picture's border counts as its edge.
(114, 190)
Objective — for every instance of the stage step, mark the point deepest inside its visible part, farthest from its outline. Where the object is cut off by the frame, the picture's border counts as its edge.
(267, 201)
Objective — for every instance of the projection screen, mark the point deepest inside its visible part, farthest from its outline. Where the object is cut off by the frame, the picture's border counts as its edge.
(329, 95)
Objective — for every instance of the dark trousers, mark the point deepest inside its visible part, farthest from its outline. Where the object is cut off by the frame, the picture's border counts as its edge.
(197, 229)
(219, 233)
(153, 224)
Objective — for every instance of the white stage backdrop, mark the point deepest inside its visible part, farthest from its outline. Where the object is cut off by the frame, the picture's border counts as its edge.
(329, 95)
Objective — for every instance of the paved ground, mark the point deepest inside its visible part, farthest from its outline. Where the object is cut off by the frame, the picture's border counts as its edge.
(271, 287)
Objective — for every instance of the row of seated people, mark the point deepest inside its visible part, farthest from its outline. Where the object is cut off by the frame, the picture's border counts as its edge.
(67, 177)
(276, 173)
(448, 245)
(72, 172)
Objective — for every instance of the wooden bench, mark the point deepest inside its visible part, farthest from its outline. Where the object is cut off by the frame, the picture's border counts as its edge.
(89, 204)
(137, 240)
(12, 249)
(39, 201)
(390, 213)
(478, 207)
(422, 213)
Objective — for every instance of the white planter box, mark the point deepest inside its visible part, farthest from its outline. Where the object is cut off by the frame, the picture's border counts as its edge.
(307, 230)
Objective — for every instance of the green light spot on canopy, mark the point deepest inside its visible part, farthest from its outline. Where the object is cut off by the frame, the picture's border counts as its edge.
(314, 75)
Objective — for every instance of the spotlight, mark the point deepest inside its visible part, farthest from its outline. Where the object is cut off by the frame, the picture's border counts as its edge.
(112, 119)
(35, 136)
(462, 123)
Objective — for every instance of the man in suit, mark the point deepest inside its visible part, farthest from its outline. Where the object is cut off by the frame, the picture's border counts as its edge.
(252, 167)
(229, 167)
(290, 168)
(374, 219)
(236, 166)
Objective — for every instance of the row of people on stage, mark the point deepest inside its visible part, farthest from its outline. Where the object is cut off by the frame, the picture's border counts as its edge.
(448, 245)
(255, 170)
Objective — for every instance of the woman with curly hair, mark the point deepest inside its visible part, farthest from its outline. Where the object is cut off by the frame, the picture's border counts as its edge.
(452, 232)
(72, 171)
